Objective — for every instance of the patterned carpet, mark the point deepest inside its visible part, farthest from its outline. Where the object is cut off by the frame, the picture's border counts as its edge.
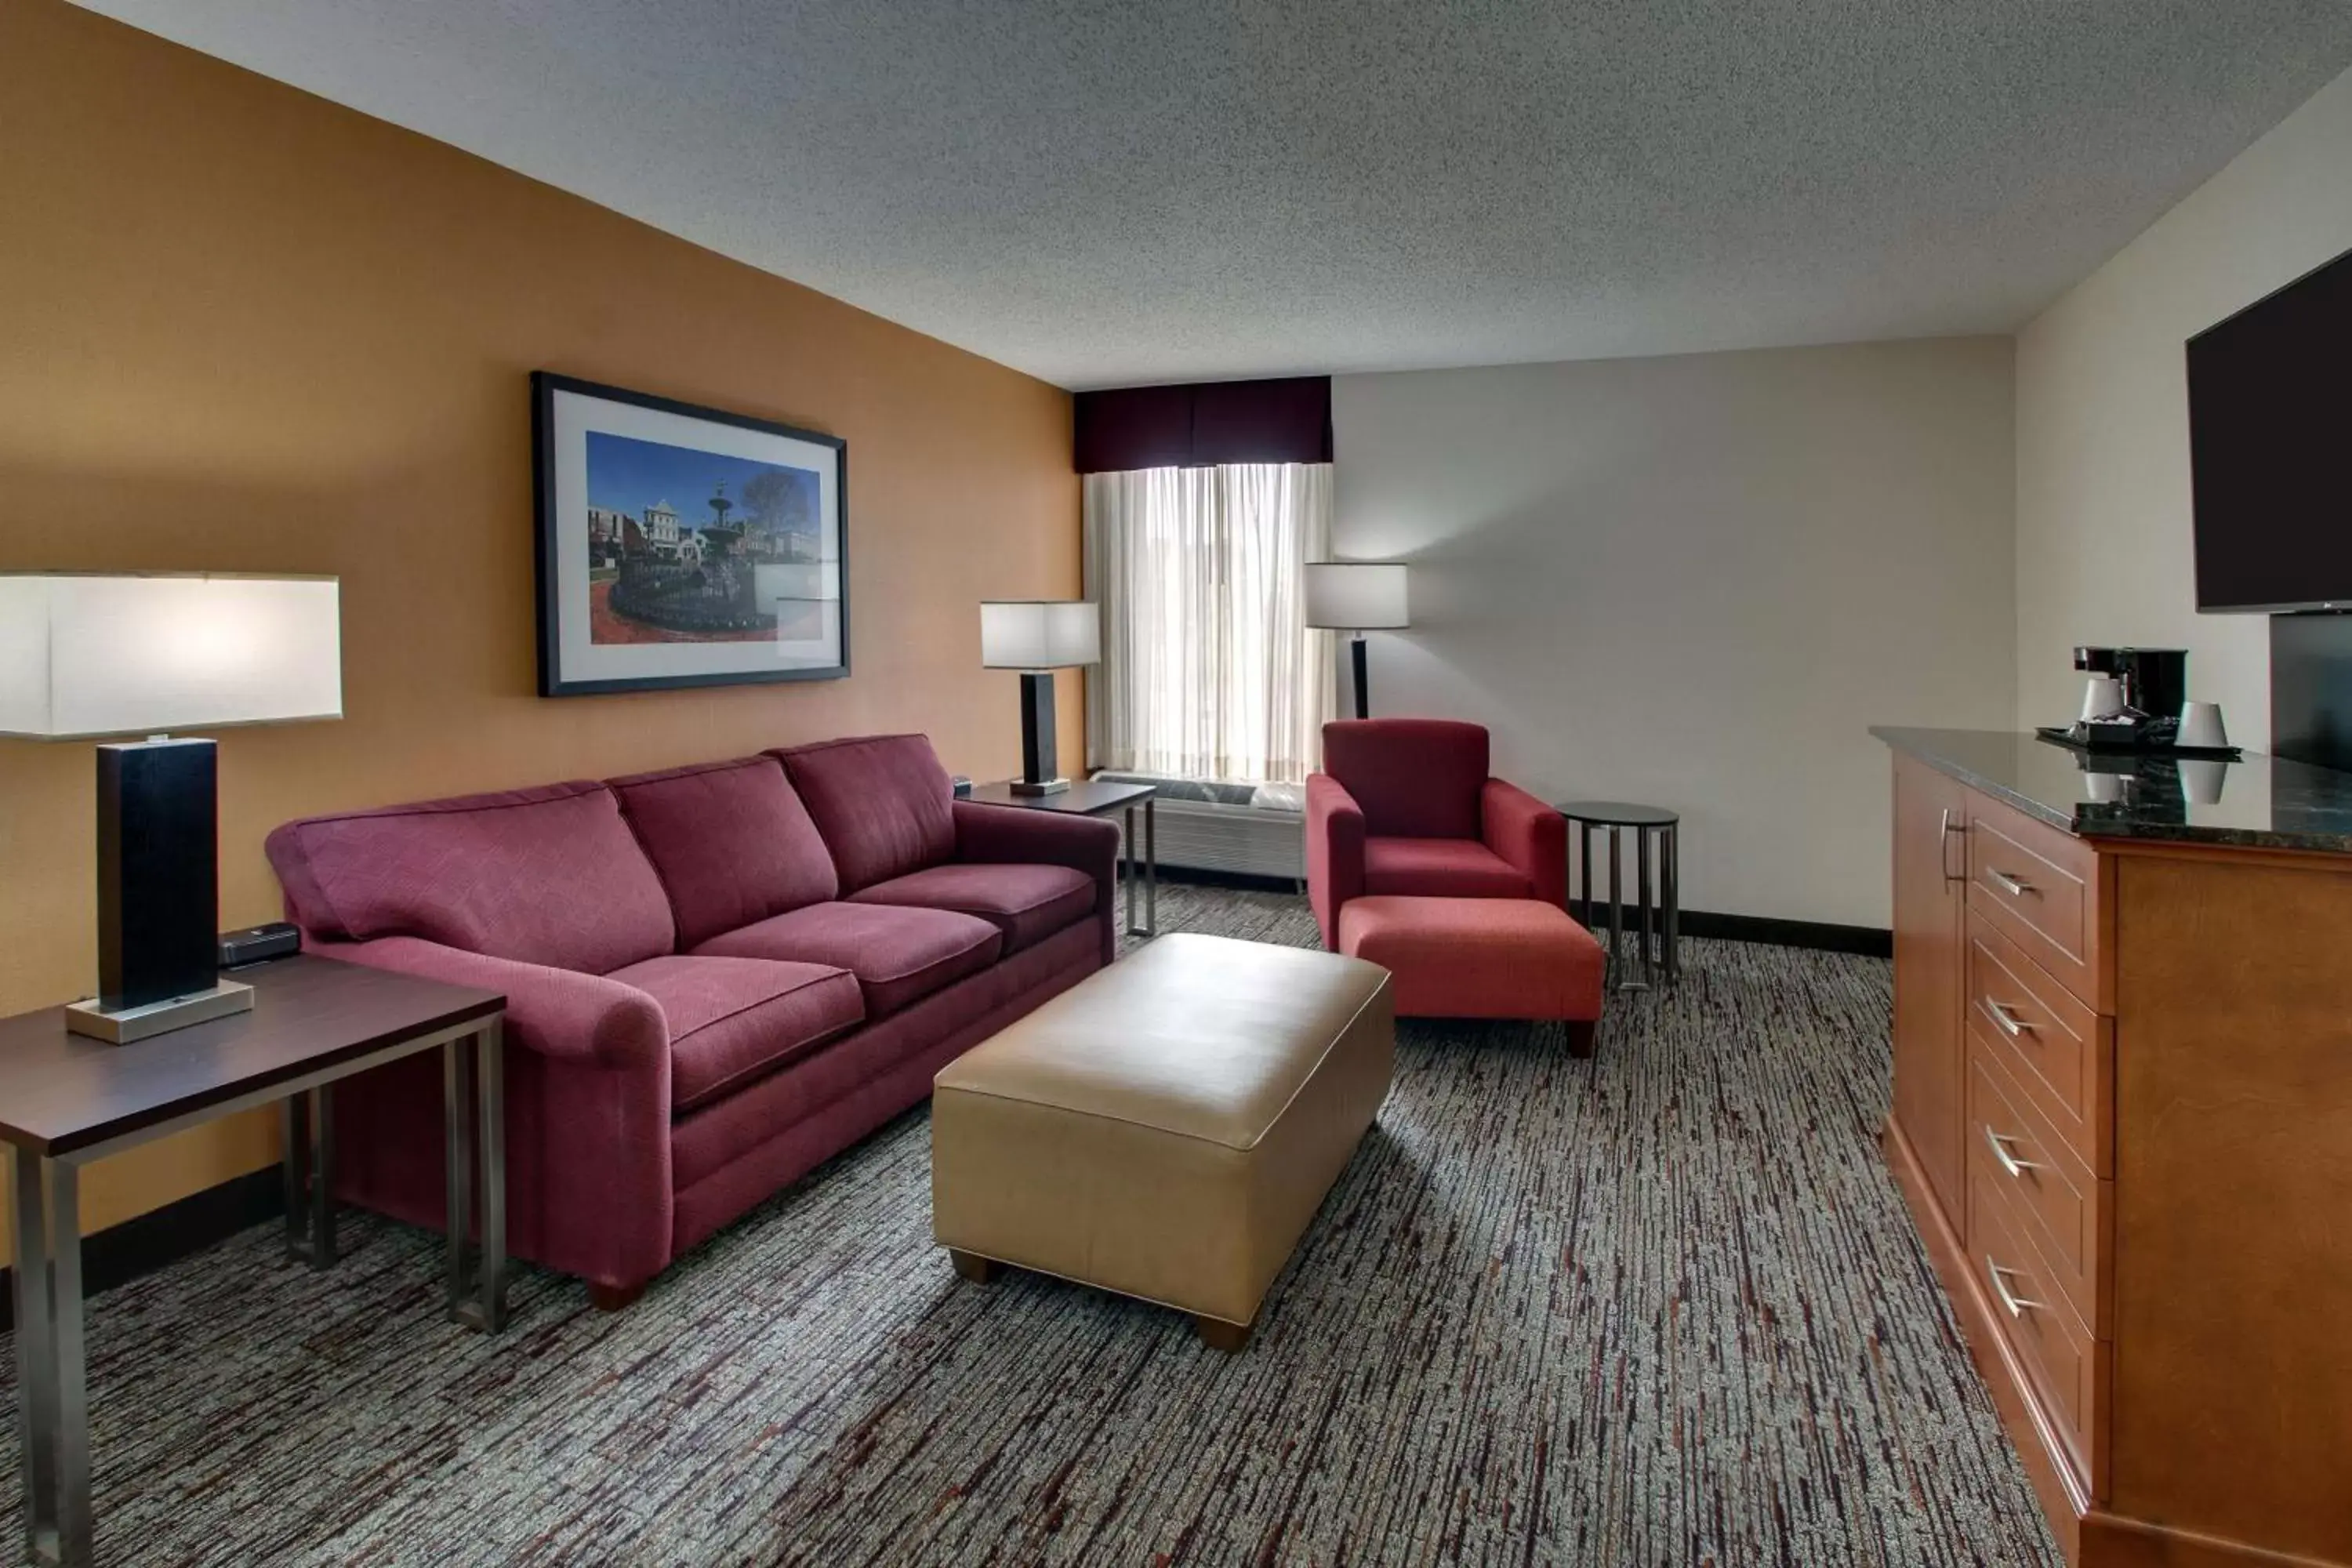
(1661, 1307)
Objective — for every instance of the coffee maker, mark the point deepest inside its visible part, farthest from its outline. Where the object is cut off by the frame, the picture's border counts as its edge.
(2141, 710)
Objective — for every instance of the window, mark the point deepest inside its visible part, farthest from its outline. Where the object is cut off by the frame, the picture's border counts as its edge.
(1209, 669)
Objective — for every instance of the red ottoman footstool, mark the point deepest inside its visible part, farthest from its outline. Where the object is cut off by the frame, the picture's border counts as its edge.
(1481, 958)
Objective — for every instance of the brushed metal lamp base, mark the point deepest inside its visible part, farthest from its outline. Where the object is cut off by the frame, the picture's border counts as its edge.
(123, 1025)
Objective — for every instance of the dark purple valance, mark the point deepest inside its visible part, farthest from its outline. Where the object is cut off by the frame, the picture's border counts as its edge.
(1205, 423)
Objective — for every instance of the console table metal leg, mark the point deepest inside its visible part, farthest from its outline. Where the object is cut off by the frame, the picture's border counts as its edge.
(458, 1165)
(1584, 859)
(52, 1386)
(1641, 876)
(473, 1089)
(1670, 871)
(1128, 870)
(1616, 906)
(306, 1124)
(1151, 866)
(490, 1074)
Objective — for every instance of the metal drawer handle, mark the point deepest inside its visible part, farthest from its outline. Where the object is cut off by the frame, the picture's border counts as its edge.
(2014, 887)
(1999, 1142)
(1944, 850)
(2011, 1023)
(2018, 1305)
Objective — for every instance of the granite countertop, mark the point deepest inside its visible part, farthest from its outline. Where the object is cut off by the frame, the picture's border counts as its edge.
(2260, 802)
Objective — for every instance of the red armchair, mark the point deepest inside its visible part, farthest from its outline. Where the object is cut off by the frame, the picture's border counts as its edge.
(1405, 807)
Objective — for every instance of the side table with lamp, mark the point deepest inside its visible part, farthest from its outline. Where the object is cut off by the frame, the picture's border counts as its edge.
(1038, 636)
(167, 1042)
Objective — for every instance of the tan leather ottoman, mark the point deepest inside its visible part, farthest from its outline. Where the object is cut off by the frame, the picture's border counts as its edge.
(1167, 1128)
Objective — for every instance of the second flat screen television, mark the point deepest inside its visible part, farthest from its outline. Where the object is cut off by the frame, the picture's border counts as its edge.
(2270, 442)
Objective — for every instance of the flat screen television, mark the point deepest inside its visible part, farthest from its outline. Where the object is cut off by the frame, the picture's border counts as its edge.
(2270, 447)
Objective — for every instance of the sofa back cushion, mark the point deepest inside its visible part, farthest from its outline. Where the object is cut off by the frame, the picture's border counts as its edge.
(1414, 778)
(882, 802)
(547, 876)
(730, 841)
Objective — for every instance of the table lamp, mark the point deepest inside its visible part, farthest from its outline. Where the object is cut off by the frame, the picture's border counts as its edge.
(85, 655)
(1356, 597)
(1037, 637)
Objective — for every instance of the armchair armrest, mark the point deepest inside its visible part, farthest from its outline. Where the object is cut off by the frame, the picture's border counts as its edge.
(558, 1012)
(1016, 835)
(1528, 833)
(1335, 852)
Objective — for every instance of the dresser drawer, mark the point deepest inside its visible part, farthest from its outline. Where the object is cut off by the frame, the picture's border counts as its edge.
(2061, 1053)
(2049, 1185)
(2066, 1364)
(2040, 886)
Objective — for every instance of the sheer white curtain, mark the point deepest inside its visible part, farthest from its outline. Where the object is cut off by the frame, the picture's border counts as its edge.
(1209, 669)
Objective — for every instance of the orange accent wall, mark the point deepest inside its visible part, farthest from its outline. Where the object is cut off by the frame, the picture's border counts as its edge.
(244, 329)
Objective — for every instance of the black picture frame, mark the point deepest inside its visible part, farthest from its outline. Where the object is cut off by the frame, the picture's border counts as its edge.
(555, 679)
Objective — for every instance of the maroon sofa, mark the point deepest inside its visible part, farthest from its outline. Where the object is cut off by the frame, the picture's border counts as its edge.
(716, 976)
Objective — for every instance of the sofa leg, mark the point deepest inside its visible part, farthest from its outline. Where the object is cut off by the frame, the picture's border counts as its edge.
(1579, 1036)
(613, 1298)
(971, 1266)
(1220, 1335)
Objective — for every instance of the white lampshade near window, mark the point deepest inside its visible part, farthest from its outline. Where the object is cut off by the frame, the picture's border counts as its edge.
(1037, 637)
(85, 655)
(1039, 633)
(1357, 596)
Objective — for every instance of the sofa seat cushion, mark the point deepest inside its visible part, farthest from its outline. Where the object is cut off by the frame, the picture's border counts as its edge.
(899, 954)
(733, 1020)
(1026, 902)
(1441, 869)
(730, 841)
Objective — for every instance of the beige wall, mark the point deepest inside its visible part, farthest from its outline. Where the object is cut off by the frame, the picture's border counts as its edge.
(1698, 581)
(2104, 548)
(243, 328)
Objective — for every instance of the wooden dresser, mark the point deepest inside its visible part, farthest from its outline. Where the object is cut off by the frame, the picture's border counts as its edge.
(2123, 1119)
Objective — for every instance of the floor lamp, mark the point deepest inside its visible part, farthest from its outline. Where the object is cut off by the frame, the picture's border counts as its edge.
(1038, 636)
(1357, 596)
(86, 656)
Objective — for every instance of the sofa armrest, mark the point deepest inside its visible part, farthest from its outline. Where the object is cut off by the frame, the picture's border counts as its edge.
(1016, 835)
(1528, 833)
(1335, 852)
(561, 1014)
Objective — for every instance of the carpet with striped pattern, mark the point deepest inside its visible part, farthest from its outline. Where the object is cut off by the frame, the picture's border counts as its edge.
(1661, 1307)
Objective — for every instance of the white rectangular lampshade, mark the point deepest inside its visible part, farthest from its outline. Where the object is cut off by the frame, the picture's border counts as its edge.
(1355, 595)
(1039, 633)
(90, 656)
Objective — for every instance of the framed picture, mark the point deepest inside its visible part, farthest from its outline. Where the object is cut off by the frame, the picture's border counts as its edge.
(683, 546)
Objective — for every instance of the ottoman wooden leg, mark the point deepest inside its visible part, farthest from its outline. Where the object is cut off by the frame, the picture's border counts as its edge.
(972, 1265)
(1579, 1037)
(1220, 1335)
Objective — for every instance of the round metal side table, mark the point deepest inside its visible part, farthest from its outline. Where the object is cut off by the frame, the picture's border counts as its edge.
(1651, 825)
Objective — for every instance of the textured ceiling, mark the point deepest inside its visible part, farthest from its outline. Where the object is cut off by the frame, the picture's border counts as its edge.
(1109, 192)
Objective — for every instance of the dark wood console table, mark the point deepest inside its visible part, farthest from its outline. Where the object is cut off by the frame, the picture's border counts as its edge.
(66, 1101)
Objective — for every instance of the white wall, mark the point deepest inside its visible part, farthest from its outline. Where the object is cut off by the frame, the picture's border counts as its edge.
(2103, 547)
(1696, 581)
